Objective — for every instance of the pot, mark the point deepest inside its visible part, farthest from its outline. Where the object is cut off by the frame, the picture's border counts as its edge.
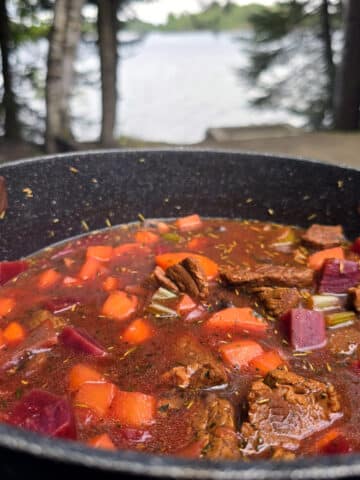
(58, 197)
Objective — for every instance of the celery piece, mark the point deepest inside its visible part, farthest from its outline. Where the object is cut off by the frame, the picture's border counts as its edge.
(163, 294)
(324, 302)
(340, 318)
(161, 311)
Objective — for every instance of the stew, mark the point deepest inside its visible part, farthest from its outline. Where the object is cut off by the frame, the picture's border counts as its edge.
(201, 338)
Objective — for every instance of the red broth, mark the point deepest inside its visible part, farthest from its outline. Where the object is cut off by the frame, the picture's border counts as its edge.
(228, 351)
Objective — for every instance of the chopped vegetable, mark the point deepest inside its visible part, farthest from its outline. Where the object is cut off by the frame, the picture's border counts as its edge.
(237, 319)
(316, 260)
(137, 332)
(337, 276)
(332, 443)
(80, 341)
(102, 253)
(49, 278)
(81, 374)
(133, 408)
(340, 319)
(9, 270)
(185, 305)
(162, 227)
(119, 305)
(161, 311)
(163, 294)
(172, 237)
(146, 237)
(96, 396)
(267, 361)
(324, 302)
(90, 269)
(198, 243)
(240, 353)
(167, 260)
(186, 224)
(305, 329)
(102, 441)
(7, 304)
(14, 333)
(61, 304)
(110, 284)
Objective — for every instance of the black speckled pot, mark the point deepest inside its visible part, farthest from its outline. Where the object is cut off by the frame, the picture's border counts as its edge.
(70, 189)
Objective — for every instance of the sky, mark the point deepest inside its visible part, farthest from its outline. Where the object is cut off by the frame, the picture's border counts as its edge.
(157, 11)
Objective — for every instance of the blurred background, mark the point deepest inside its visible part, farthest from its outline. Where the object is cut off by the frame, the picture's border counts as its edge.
(275, 76)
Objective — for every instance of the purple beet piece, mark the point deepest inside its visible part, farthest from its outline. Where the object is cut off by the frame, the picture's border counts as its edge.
(79, 340)
(45, 413)
(60, 304)
(9, 270)
(337, 276)
(305, 329)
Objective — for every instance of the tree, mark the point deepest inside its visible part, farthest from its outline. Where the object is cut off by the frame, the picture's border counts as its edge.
(347, 100)
(107, 39)
(11, 122)
(64, 39)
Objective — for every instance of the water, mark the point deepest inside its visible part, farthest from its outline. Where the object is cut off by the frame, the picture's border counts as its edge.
(172, 88)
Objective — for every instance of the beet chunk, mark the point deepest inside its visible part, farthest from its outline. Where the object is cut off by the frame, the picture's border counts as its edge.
(9, 270)
(305, 329)
(43, 412)
(80, 341)
(337, 276)
(61, 304)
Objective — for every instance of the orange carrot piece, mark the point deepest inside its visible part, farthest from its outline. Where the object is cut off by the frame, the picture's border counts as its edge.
(146, 237)
(185, 305)
(162, 227)
(103, 253)
(166, 260)
(267, 361)
(119, 305)
(327, 438)
(133, 408)
(90, 269)
(14, 333)
(191, 222)
(110, 283)
(101, 441)
(130, 249)
(198, 243)
(48, 278)
(238, 319)
(96, 396)
(240, 353)
(7, 304)
(316, 260)
(80, 374)
(137, 332)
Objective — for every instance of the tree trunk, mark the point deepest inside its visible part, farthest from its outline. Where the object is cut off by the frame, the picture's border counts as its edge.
(107, 31)
(347, 100)
(326, 35)
(64, 39)
(11, 124)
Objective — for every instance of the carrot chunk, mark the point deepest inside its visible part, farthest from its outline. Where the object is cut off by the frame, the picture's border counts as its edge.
(48, 278)
(96, 396)
(185, 305)
(137, 332)
(316, 260)
(102, 441)
(267, 361)
(110, 283)
(14, 333)
(327, 438)
(103, 253)
(7, 304)
(240, 353)
(191, 222)
(119, 305)
(81, 374)
(146, 237)
(162, 227)
(198, 243)
(90, 269)
(238, 319)
(166, 260)
(133, 408)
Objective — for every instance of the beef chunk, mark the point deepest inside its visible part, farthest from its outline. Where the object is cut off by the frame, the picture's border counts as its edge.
(189, 277)
(268, 276)
(323, 236)
(164, 281)
(279, 299)
(354, 298)
(195, 365)
(344, 341)
(285, 408)
(3, 197)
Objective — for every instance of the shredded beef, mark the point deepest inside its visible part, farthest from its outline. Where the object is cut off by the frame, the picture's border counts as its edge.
(323, 236)
(285, 408)
(279, 299)
(344, 341)
(195, 365)
(268, 276)
(189, 277)
(3, 196)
